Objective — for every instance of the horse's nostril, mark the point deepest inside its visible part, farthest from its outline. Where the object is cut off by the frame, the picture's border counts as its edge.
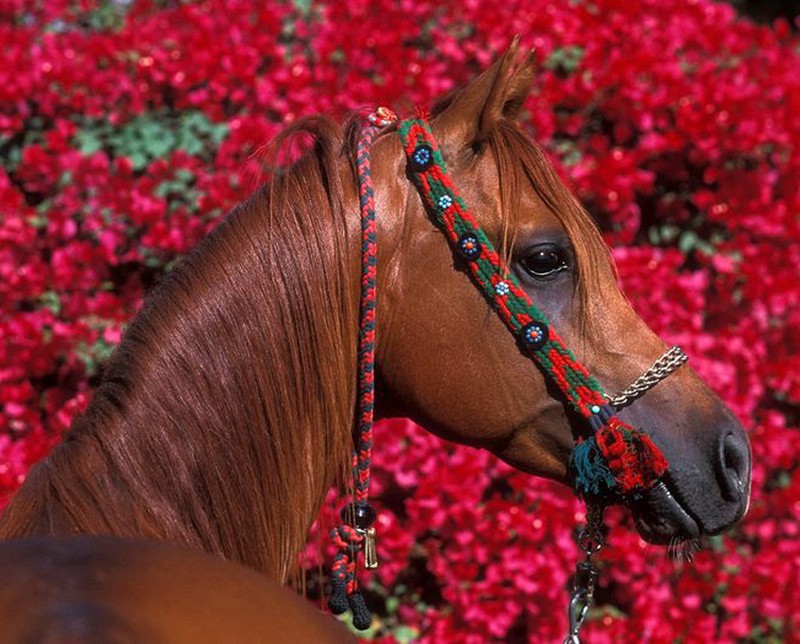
(735, 463)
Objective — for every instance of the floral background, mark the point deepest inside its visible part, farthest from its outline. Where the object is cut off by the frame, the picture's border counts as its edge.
(127, 129)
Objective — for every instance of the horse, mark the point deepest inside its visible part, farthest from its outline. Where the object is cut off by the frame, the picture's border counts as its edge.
(122, 591)
(227, 411)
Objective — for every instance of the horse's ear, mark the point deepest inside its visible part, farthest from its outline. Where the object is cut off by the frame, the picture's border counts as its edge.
(497, 94)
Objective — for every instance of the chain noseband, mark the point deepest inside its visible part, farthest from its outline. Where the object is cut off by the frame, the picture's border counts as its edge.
(611, 461)
(660, 369)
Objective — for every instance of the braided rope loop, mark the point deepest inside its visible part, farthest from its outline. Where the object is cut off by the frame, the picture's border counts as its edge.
(356, 533)
(366, 334)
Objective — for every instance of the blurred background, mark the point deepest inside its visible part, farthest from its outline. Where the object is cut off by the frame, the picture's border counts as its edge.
(127, 129)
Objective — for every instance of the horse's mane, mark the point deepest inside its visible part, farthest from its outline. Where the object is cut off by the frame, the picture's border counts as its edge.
(232, 391)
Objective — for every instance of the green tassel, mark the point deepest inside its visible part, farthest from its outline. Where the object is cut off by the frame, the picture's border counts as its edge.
(591, 475)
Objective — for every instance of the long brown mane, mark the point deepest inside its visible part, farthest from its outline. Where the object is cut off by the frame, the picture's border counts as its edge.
(226, 412)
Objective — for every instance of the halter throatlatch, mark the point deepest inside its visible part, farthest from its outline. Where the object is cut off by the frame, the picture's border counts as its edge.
(612, 460)
(356, 532)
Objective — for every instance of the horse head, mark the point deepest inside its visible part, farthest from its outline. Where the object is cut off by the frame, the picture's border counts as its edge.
(446, 361)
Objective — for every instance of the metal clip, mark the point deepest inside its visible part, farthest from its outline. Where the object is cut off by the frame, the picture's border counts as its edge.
(586, 574)
(370, 549)
(590, 540)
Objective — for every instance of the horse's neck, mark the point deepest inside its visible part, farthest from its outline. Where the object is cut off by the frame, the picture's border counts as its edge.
(226, 411)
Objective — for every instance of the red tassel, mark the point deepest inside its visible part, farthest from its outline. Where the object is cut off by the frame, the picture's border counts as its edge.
(634, 460)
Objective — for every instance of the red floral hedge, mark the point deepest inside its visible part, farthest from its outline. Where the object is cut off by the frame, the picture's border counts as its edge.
(125, 133)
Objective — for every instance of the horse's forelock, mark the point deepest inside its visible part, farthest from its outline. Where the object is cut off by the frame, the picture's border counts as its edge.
(521, 161)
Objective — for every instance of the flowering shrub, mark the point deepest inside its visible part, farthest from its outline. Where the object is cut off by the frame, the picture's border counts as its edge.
(125, 133)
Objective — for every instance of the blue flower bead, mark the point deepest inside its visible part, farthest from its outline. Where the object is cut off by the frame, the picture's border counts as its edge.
(534, 335)
(469, 247)
(422, 158)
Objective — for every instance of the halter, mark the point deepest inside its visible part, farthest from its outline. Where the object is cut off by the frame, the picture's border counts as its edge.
(611, 461)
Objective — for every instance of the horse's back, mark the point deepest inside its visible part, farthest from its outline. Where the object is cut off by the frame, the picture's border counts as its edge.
(116, 591)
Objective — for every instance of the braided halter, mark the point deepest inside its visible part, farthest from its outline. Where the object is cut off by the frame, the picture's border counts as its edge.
(611, 461)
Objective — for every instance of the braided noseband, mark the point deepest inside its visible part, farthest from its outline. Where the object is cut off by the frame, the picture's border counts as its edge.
(611, 460)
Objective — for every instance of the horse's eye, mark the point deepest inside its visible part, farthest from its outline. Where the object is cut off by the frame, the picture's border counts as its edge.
(544, 261)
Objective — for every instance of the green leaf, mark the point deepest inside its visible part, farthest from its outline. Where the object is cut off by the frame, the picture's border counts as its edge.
(405, 634)
(37, 221)
(89, 141)
(302, 6)
(392, 604)
(153, 135)
(568, 152)
(219, 133)
(51, 300)
(717, 543)
(196, 130)
(566, 59)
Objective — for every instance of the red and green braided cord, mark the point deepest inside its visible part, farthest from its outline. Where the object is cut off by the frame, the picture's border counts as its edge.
(349, 537)
(611, 460)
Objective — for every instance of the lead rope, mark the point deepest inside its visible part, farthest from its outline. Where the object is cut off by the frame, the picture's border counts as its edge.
(590, 539)
(356, 532)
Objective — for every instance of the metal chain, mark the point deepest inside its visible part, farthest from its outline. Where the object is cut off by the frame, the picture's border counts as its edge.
(659, 370)
(590, 539)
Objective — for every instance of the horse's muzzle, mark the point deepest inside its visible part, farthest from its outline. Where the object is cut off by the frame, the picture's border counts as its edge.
(670, 513)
